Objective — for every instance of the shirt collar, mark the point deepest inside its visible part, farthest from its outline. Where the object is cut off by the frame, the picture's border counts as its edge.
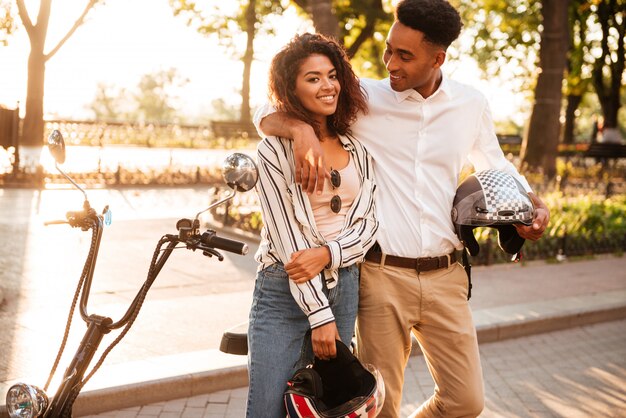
(444, 88)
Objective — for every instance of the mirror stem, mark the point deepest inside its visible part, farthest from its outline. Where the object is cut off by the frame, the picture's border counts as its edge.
(230, 196)
(71, 181)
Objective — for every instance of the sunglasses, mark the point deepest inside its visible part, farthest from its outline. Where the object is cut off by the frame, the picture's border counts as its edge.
(335, 181)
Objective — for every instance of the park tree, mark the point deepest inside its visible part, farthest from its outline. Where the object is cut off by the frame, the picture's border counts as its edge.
(247, 19)
(579, 60)
(540, 145)
(107, 103)
(596, 59)
(506, 31)
(33, 128)
(154, 101)
(608, 68)
(533, 38)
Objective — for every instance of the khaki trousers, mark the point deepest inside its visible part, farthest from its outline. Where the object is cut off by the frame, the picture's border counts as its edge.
(396, 301)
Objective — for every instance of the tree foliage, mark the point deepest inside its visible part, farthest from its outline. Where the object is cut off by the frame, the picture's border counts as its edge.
(7, 21)
(358, 24)
(154, 98)
(248, 19)
(506, 36)
(108, 103)
(361, 26)
(152, 101)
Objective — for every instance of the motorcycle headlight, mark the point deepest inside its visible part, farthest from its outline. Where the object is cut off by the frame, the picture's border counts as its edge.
(26, 401)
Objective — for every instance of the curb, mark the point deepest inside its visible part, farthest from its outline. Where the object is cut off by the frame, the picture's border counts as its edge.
(605, 307)
(521, 320)
(143, 393)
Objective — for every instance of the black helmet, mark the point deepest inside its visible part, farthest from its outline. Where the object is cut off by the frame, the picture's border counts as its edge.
(495, 199)
(339, 387)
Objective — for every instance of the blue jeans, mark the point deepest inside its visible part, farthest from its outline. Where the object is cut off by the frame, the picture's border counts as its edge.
(276, 334)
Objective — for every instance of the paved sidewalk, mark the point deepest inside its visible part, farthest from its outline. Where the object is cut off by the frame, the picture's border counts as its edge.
(579, 372)
(171, 352)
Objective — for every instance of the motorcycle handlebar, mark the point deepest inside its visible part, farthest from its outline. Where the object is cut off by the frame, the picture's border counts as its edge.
(74, 219)
(210, 239)
(56, 222)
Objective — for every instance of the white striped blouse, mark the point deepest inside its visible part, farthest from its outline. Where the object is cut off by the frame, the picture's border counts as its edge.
(289, 225)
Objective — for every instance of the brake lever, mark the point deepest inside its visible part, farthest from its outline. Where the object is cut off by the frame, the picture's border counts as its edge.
(209, 252)
(195, 244)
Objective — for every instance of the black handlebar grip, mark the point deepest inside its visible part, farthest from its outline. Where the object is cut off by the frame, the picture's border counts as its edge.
(219, 243)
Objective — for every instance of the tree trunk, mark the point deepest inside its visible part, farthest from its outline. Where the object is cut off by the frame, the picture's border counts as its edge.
(32, 133)
(324, 19)
(248, 57)
(540, 146)
(32, 130)
(610, 62)
(573, 101)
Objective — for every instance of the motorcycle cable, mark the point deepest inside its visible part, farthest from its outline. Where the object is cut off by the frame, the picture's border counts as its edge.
(140, 299)
(96, 230)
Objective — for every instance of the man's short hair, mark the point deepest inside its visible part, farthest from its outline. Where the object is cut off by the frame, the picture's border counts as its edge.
(438, 20)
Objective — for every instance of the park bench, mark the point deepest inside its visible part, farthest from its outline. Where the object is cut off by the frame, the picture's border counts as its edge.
(603, 151)
(510, 139)
(510, 143)
(234, 130)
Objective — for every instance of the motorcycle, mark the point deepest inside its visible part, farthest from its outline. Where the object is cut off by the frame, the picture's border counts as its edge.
(29, 401)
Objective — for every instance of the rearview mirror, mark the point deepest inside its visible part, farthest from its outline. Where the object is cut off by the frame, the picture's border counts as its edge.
(240, 172)
(56, 145)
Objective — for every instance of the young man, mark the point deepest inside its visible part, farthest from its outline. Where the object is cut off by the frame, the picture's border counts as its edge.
(420, 130)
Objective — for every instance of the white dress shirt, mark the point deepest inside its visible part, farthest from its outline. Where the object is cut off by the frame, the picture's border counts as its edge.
(419, 147)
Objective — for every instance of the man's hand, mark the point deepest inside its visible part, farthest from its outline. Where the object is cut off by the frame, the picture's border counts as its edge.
(541, 219)
(306, 264)
(310, 167)
(323, 340)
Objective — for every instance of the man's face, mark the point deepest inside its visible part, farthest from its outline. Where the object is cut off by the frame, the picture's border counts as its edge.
(412, 62)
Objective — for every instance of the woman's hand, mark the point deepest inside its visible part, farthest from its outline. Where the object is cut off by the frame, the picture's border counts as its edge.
(323, 340)
(306, 264)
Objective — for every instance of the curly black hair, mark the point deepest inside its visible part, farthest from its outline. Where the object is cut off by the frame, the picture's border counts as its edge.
(438, 20)
(282, 82)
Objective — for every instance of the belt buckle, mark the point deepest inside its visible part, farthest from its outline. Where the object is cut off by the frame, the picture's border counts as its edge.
(419, 262)
(438, 260)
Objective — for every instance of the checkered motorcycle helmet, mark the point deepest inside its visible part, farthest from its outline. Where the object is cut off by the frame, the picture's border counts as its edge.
(336, 388)
(491, 198)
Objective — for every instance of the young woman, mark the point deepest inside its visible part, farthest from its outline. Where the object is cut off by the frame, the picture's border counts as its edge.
(307, 278)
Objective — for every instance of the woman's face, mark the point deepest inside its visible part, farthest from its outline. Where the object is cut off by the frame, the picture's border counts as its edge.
(317, 86)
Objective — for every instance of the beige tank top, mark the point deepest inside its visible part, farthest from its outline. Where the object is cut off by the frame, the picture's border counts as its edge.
(329, 223)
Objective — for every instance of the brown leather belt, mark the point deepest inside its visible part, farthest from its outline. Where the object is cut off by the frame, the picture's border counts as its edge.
(421, 265)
